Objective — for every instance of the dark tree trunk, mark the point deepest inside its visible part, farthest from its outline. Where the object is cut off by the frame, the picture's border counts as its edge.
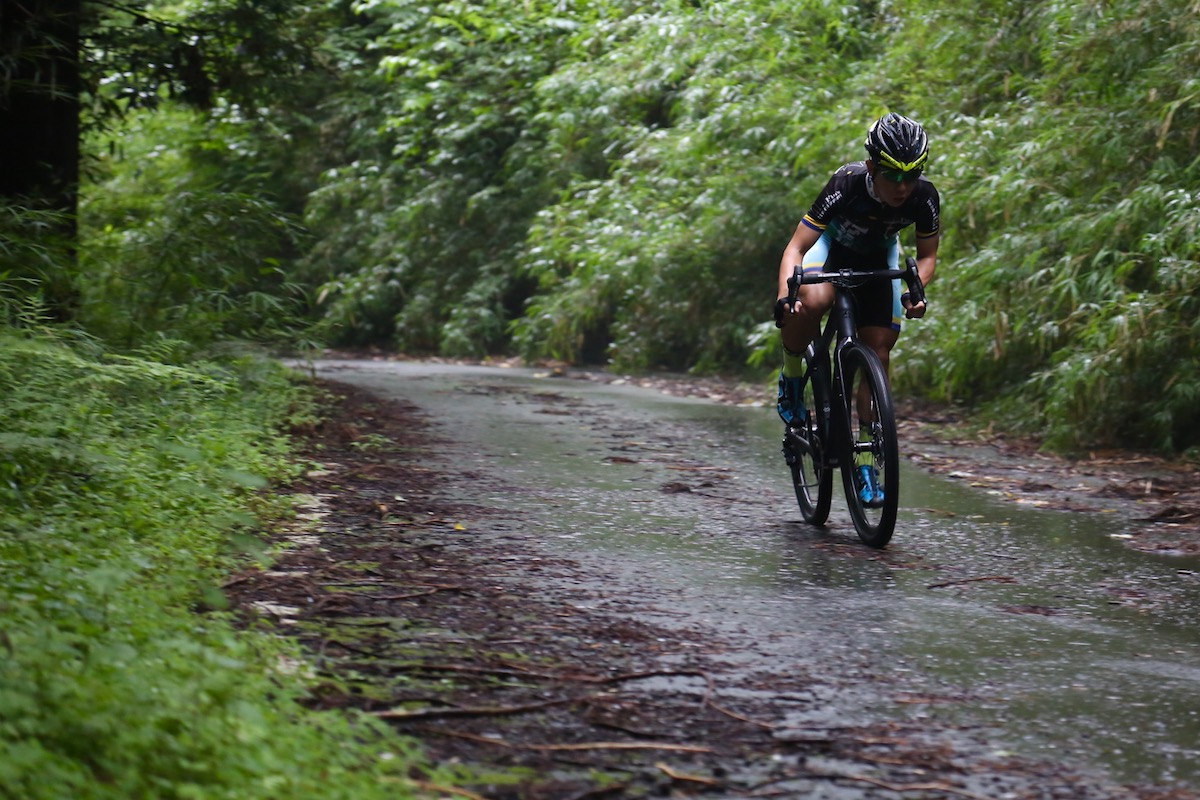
(39, 121)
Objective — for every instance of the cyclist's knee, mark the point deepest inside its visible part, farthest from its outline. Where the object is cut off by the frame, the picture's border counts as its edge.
(817, 297)
(802, 327)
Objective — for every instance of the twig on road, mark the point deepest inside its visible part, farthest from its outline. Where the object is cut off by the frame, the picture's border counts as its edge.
(992, 578)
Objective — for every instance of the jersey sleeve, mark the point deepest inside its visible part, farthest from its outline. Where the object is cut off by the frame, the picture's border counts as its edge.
(828, 202)
(929, 219)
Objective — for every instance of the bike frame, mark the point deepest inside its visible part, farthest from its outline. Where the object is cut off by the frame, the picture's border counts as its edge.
(825, 443)
(840, 331)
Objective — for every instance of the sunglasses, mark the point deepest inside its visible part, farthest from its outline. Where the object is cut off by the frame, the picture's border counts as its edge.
(899, 176)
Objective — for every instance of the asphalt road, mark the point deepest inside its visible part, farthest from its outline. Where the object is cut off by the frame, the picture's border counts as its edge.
(1034, 630)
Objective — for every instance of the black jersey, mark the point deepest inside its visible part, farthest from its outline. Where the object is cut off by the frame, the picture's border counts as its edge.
(848, 211)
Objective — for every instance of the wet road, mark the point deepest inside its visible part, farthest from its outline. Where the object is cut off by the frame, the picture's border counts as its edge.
(1036, 625)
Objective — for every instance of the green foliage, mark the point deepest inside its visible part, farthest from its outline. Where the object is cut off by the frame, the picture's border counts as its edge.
(658, 260)
(197, 52)
(123, 484)
(177, 249)
(1074, 257)
(36, 264)
(509, 127)
(422, 230)
(614, 182)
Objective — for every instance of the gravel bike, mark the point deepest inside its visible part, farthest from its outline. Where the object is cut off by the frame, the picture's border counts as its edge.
(848, 412)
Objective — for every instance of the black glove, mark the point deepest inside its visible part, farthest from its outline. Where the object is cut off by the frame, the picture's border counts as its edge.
(780, 305)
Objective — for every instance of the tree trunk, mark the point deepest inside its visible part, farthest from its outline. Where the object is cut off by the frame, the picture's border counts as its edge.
(39, 124)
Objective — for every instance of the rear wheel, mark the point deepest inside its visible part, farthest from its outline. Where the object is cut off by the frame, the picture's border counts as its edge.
(805, 447)
(870, 442)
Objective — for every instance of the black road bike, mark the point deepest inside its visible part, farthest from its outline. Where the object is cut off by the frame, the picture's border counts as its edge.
(849, 411)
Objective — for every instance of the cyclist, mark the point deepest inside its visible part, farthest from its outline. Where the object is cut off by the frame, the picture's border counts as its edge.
(854, 224)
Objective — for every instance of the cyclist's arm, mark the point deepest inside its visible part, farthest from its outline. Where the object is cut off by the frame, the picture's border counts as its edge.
(803, 239)
(927, 258)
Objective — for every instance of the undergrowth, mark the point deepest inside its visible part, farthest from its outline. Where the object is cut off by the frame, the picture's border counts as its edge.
(124, 488)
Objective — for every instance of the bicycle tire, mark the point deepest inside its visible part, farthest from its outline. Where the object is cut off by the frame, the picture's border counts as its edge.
(805, 446)
(862, 371)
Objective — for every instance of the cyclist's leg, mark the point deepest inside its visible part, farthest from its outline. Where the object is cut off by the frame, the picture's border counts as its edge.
(801, 330)
(885, 350)
(815, 301)
(881, 339)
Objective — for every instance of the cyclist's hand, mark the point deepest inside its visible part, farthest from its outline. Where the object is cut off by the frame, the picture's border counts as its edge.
(911, 310)
(784, 310)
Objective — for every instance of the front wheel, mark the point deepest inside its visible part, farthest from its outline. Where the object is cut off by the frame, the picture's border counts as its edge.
(870, 446)
(806, 444)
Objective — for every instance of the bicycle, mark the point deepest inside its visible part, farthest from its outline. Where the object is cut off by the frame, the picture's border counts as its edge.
(845, 394)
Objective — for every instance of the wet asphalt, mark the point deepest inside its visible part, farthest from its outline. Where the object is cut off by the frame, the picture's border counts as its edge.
(1036, 626)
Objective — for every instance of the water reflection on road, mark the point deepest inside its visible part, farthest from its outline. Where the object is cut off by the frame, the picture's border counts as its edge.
(982, 612)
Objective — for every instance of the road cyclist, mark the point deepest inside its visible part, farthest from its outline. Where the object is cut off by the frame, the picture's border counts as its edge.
(854, 224)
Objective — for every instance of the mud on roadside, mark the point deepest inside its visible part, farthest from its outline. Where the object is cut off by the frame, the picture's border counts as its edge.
(494, 658)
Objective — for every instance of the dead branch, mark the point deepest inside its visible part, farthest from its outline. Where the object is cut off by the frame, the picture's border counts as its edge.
(573, 747)
(470, 737)
(411, 595)
(891, 787)
(994, 578)
(345, 646)
(437, 787)
(467, 711)
(612, 726)
(739, 717)
(678, 748)
(511, 672)
(904, 787)
(680, 776)
(602, 680)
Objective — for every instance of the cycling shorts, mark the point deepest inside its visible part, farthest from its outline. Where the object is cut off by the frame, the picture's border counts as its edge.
(877, 302)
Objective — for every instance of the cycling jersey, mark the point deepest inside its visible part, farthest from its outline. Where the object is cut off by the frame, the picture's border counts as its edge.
(848, 211)
(859, 231)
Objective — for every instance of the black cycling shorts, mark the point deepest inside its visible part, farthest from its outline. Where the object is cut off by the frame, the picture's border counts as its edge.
(877, 302)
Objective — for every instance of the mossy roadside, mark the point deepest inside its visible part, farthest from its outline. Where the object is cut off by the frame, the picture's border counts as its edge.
(128, 488)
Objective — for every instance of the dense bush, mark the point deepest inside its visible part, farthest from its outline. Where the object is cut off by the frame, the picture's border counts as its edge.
(614, 182)
(184, 246)
(1072, 248)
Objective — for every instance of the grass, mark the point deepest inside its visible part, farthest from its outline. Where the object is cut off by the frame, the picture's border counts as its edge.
(129, 488)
